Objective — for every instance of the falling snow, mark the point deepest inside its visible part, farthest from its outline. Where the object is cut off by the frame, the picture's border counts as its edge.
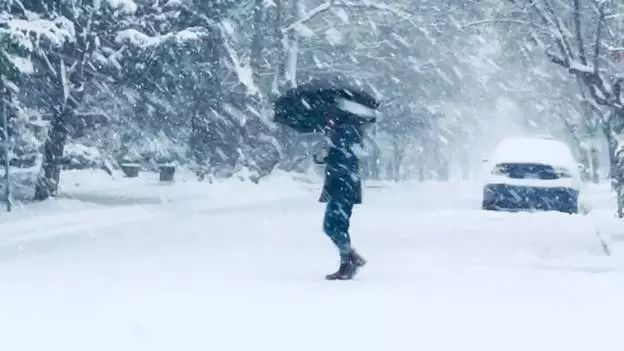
(140, 145)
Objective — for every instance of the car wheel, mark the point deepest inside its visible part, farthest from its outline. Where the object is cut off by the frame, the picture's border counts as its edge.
(571, 207)
(488, 206)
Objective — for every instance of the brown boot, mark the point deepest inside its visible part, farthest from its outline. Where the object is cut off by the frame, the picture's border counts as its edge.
(358, 260)
(346, 271)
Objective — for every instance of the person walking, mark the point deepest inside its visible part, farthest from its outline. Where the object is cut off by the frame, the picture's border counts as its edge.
(341, 191)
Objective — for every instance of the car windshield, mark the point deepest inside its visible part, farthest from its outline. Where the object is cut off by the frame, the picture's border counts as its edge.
(527, 171)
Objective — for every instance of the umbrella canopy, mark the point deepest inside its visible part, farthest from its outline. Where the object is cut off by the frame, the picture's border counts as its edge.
(308, 107)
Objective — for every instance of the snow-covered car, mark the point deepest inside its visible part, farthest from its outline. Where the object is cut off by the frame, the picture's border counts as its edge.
(532, 174)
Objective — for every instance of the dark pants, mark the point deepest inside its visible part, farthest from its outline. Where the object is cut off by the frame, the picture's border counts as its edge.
(336, 223)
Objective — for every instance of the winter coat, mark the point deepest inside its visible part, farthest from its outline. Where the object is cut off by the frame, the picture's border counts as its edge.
(342, 170)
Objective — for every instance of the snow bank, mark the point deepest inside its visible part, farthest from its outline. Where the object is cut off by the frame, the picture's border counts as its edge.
(98, 187)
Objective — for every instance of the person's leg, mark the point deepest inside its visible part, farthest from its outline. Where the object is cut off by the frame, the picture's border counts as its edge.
(346, 210)
(336, 224)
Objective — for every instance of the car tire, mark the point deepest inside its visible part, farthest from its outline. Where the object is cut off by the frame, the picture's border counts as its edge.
(488, 206)
(571, 207)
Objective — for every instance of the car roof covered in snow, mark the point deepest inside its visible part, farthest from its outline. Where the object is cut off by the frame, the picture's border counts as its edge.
(534, 150)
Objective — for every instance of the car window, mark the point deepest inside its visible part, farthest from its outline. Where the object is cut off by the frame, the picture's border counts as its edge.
(526, 171)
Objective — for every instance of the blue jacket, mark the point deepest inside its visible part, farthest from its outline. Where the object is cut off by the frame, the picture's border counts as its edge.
(342, 172)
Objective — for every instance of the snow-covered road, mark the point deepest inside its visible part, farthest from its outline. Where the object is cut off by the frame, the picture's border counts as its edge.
(243, 269)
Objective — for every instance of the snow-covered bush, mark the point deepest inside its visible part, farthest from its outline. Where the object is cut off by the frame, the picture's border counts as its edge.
(26, 136)
(152, 151)
(79, 156)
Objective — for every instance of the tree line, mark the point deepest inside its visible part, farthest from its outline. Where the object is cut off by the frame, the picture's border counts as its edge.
(97, 83)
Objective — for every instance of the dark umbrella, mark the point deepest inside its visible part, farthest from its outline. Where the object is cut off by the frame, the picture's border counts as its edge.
(306, 108)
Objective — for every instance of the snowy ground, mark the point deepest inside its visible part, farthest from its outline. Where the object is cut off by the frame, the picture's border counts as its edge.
(137, 265)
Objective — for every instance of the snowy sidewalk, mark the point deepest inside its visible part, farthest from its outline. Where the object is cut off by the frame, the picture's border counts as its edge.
(99, 187)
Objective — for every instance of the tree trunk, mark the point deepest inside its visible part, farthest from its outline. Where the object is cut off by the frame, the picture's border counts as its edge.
(371, 162)
(589, 158)
(288, 48)
(199, 140)
(614, 132)
(422, 176)
(441, 163)
(397, 160)
(374, 161)
(256, 43)
(618, 183)
(594, 165)
(207, 108)
(619, 191)
(611, 146)
(443, 170)
(48, 181)
(584, 160)
(7, 154)
(292, 48)
(279, 47)
(375, 156)
(466, 168)
(70, 87)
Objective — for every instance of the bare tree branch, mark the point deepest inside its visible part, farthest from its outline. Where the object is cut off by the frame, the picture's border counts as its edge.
(596, 85)
(617, 90)
(557, 38)
(599, 99)
(557, 23)
(363, 4)
(557, 59)
(309, 16)
(578, 31)
(505, 20)
(601, 21)
(375, 5)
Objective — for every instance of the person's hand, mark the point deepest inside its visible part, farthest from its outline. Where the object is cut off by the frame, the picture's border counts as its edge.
(359, 151)
(321, 156)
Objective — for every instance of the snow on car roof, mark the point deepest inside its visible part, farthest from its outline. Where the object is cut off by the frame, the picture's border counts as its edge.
(534, 150)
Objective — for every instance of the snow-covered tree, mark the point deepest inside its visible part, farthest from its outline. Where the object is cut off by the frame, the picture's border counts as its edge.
(22, 36)
(193, 82)
(584, 38)
(64, 66)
